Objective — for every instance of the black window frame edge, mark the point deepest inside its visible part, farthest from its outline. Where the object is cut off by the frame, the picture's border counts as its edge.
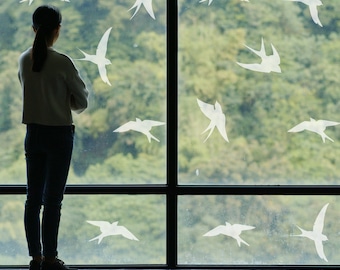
(172, 189)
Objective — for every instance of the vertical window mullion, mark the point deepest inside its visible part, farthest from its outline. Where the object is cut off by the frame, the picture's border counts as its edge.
(172, 181)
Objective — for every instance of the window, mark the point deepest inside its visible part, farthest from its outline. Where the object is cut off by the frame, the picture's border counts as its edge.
(236, 168)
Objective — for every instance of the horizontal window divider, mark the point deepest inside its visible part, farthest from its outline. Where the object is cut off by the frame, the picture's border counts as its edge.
(186, 189)
(257, 267)
(259, 190)
(195, 267)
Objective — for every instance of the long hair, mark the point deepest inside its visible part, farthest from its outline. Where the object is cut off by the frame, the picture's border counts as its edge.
(45, 19)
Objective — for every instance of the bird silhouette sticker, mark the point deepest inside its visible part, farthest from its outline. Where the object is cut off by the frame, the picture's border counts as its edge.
(109, 229)
(269, 63)
(141, 126)
(318, 127)
(148, 6)
(209, 3)
(100, 57)
(233, 231)
(216, 116)
(316, 235)
(31, 1)
(313, 8)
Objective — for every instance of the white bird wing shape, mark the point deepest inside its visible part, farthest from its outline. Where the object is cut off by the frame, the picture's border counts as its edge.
(131, 125)
(216, 231)
(209, 3)
(126, 233)
(148, 6)
(216, 116)
(102, 45)
(29, 3)
(318, 228)
(313, 9)
(314, 14)
(319, 249)
(241, 227)
(140, 126)
(269, 63)
(326, 123)
(101, 54)
(319, 221)
(300, 127)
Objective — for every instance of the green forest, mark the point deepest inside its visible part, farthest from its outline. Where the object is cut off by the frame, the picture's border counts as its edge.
(259, 110)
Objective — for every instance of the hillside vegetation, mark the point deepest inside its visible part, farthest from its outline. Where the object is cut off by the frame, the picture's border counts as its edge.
(259, 108)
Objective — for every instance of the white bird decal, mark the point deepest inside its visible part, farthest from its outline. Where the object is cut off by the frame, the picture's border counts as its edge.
(269, 63)
(31, 1)
(313, 8)
(318, 127)
(233, 231)
(141, 126)
(100, 57)
(148, 6)
(316, 235)
(210, 1)
(108, 229)
(216, 116)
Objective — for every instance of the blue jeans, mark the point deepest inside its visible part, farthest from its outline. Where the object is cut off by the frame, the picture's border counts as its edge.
(48, 151)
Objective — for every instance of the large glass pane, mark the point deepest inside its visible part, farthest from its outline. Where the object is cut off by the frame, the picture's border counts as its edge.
(258, 230)
(113, 144)
(13, 246)
(105, 229)
(256, 81)
(140, 240)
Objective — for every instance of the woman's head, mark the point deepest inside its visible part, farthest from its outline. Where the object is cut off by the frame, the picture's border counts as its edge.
(46, 23)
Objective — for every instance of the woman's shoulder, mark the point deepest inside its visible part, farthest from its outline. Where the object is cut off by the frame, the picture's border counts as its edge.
(26, 53)
(62, 58)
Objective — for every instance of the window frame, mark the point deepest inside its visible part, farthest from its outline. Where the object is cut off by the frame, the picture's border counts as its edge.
(172, 190)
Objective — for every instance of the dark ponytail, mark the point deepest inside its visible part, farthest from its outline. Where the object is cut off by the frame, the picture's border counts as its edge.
(45, 20)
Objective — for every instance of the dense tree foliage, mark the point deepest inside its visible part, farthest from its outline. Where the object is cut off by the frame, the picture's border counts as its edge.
(260, 108)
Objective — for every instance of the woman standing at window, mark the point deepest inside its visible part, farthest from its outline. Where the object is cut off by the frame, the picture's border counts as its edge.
(51, 88)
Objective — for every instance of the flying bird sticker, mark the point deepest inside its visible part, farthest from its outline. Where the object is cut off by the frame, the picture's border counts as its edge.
(269, 63)
(318, 127)
(100, 57)
(216, 116)
(233, 231)
(148, 6)
(141, 126)
(316, 235)
(313, 8)
(209, 3)
(108, 229)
